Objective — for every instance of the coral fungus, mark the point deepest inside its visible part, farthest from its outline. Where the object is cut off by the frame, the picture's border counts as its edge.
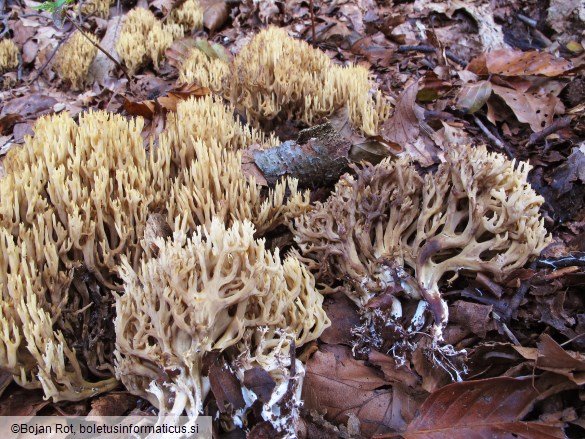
(390, 231)
(8, 55)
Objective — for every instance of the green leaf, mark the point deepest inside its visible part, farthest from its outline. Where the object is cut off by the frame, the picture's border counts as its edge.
(52, 6)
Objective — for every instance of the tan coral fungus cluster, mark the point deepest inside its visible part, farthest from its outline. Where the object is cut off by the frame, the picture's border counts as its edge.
(203, 70)
(390, 231)
(99, 8)
(218, 289)
(74, 59)
(8, 55)
(75, 201)
(145, 39)
(276, 77)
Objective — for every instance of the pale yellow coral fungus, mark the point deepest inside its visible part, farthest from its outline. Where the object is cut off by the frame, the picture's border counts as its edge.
(8, 55)
(77, 198)
(74, 199)
(205, 71)
(189, 15)
(132, 43)
(143, 38)
(99, 8)
(74, 58)
(203, 138)
(276, 77)
(160, 39)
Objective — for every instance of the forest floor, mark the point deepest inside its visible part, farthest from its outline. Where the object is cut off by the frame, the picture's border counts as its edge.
(508, 74)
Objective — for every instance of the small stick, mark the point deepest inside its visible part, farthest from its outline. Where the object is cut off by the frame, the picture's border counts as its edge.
(104, 51)
(420, 48)
(4, 18)
(558, 124)
(527, 20)
(450, 55)
(20, 66)
(489, 134)
(441, 115)
(44, 66)
(311, 5)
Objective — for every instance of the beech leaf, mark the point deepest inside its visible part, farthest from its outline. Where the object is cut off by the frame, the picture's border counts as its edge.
(490, 408)
(511, 62)
(474, 96)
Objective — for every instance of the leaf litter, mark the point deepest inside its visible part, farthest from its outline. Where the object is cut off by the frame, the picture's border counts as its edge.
(457, 72)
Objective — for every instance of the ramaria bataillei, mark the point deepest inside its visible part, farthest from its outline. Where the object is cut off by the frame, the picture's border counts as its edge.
(389, 230)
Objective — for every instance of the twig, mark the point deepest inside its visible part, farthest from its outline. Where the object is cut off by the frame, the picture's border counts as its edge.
(573, 259)
(527, 20)
(312, 6)
(420, 48)
(450, 55)
(4, 18)
(441, 115)
(558, 124)
(490, 136)
(428, 63)
(104, 51)
(5, 25)
(506, 330)
(19, 70)
(44, 66)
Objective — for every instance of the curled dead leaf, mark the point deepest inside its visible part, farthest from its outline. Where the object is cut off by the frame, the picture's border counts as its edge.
(474, 96)
(510, 62)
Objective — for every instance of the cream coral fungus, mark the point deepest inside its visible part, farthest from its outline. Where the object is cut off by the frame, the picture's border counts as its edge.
(75, 198)
(160, 38)
(218, 289)
(203, 138)
(99, 8)
(143, 38)
(276, 77)
(202, 70)
(8, 55)
(78, 197)
(189, 15)
(74, 58)
(132, 43)
(390, 231)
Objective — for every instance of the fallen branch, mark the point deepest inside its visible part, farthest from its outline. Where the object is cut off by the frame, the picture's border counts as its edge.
(558, 124)
(319, 155)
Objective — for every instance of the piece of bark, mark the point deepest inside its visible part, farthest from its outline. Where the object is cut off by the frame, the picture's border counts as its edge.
(317, 157)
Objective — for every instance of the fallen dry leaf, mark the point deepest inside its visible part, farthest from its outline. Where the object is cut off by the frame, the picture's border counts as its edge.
(215, 14)
(112, 404)
(225, 387)
(537, 111)
(30, 105)
(393, 370)
(102, 67)
(344, 316)
(490, 408)
(260, 382)
(550, 356)
(510, 62)
(8, 121)
(474, 96)
(145, 109)
(339, 385)
(22, 402)
(473, 316)
(403, 126)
